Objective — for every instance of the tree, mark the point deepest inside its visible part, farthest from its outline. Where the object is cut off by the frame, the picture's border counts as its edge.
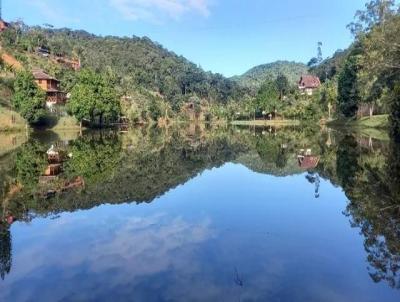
(395, 114)
(348, 88)
(282, 83)
(268, 97)
(28, 98)
(377, 31)
(94, 96)
(319, 53)
(154, 109)
(313, 62)
(376, 12)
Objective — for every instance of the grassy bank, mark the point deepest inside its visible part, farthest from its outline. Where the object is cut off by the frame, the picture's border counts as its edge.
(11, 121)
(64, 123)
(376, 121)
(266, 123)
(10, 141)
(374, 127)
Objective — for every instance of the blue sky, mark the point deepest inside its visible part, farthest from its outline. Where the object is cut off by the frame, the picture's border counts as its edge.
(225, 36)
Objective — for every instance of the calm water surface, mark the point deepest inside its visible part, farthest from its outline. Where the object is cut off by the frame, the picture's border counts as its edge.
(200, 215)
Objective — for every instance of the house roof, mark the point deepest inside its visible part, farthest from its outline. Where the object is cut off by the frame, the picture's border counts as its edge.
(41, 75)
(309, 81)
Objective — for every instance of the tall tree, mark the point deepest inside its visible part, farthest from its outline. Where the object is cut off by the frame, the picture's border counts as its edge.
(282, 83)
(268, 97)
(377, 30)
(319, 53)
(348, 87)
(28, 98)
(94, 96)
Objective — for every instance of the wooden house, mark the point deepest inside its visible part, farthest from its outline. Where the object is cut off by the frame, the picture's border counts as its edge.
(51, 86)
(308, 84)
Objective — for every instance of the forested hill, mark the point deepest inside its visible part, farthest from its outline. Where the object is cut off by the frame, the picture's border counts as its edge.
(256, 76)
(137, 62)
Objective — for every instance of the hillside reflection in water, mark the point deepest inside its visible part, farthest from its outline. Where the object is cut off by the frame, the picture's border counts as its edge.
(201, 214)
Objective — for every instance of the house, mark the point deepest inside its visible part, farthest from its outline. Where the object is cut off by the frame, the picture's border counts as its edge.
(3, 25)
(308, 84)
(51, 86)
(43, 51)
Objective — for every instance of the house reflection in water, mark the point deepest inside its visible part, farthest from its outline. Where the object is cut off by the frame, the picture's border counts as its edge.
(309, 162)
(51, 179)
(54, 155)
(306, 160)
(51, 173)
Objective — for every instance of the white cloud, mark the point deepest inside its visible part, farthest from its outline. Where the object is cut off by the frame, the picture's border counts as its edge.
(154, 9)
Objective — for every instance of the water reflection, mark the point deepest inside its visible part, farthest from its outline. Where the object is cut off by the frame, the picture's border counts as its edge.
(173, 243)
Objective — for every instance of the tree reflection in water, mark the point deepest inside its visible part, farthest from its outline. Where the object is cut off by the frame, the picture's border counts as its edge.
(146, 163)
(5, 251)
(374, 207)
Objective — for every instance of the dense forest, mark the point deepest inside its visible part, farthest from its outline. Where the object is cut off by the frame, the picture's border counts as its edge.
(255, 77)
(134, 61)
(151, 81)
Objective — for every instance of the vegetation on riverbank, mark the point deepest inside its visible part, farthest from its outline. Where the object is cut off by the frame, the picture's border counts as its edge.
(376, 121)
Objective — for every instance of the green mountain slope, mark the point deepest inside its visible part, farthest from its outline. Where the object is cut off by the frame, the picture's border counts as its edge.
(136, 62)
(256, 76)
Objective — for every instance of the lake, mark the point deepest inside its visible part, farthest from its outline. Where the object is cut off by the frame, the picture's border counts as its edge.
(200, 214)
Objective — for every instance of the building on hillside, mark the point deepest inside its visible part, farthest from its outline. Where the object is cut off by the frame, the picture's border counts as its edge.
(43, 51)
(3, 25)
(51, 86)
(308, 84)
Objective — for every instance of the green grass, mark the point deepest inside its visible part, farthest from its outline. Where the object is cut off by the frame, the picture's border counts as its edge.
(5, 121)
(66, 123)
(376, 121)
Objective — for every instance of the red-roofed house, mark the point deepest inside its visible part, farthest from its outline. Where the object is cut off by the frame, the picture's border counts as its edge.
(52, 87)
(308, 83)
(308, 162)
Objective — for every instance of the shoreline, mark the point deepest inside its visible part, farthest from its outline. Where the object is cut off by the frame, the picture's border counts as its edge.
(266, 123)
